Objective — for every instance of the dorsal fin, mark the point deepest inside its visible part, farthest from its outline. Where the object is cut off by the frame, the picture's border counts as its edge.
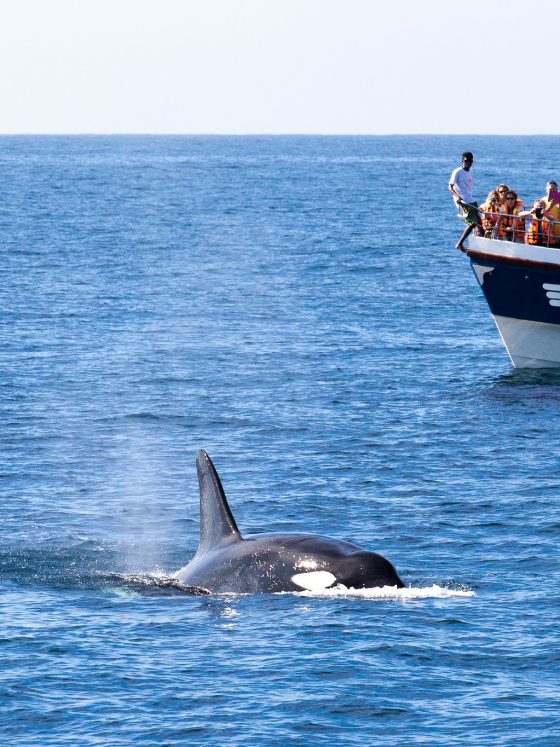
(216, 520)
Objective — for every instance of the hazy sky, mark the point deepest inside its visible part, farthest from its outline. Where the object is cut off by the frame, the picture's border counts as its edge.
(278, 66)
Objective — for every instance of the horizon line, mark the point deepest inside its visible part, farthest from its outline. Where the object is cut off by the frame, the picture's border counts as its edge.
(272, 134)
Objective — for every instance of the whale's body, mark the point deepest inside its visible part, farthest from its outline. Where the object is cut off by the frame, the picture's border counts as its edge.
(265, 563)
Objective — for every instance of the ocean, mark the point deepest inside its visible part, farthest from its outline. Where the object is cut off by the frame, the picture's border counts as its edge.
(296, 307)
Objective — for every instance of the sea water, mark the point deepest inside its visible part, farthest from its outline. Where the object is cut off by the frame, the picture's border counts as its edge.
(295, 306)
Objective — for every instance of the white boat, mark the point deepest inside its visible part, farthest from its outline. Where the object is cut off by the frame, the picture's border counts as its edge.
(521, 284)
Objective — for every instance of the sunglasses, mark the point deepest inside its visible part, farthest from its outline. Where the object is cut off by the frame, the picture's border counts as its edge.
(510, 198)
(501, 191)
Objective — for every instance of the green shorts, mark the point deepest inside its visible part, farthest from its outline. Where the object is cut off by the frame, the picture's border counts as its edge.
(470, 213)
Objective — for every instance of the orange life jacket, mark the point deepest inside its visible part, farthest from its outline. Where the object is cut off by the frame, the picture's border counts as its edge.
(553, 209)
(509, 219)
(489, 215)
(533, 232)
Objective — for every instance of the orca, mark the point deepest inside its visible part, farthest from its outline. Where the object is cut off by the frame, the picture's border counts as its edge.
(226, 562)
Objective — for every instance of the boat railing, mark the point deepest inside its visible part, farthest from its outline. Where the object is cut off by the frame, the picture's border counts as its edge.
(519, 230)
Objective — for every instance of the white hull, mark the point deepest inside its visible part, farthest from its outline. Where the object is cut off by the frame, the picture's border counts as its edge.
(530, 344)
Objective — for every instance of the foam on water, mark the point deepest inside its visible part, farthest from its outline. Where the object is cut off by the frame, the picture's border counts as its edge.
(130, 585)
(391, 592)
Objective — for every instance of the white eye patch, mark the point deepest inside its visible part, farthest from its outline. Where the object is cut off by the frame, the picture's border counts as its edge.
(314, 581)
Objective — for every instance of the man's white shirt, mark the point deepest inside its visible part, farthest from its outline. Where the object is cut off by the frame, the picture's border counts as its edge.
(462, 181)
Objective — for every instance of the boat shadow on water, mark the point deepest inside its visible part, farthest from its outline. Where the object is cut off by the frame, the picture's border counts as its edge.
(543, 380)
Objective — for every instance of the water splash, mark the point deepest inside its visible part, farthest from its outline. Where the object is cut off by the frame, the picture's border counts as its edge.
(391, 592)
(156, 584)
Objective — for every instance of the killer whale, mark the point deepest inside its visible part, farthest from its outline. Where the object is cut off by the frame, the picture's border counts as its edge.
(268, 563)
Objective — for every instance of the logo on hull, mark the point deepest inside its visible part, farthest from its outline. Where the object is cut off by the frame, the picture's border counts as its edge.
(552, 293)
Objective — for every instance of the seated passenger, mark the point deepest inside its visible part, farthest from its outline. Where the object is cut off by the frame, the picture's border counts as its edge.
(510, 226)
(539, 231)
(552, 207)
(501, 191)
(489, 213)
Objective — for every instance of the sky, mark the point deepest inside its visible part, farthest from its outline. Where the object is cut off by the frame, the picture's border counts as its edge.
(278, 67)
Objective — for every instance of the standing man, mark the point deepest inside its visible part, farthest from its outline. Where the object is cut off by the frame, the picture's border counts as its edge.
(460, 186)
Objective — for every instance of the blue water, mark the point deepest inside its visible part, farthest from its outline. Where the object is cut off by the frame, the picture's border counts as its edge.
(294, 306)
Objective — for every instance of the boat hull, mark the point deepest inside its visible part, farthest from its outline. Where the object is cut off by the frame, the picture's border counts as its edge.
(522, 287)
(530, 344)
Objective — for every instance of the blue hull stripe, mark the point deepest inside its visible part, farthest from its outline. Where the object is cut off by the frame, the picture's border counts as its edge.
(517, 288)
